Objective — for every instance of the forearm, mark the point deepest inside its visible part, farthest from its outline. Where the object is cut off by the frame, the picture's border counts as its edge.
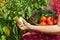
(59, 20)
(46, 29)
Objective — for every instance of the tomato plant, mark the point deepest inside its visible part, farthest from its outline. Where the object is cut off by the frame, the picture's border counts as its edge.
(10, 9)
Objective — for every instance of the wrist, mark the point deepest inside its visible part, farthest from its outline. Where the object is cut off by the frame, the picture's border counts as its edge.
(31, 27)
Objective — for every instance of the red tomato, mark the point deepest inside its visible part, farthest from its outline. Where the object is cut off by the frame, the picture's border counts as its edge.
(50, 23)
(50, 18)
(43, 18)
(55, 21)
(43, 23)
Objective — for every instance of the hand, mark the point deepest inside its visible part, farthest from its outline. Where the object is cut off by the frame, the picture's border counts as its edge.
(25, 25)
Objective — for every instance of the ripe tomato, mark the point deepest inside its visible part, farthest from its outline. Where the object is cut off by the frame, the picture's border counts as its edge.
(50, 18)
(43, 18)
(2, 4)
(7, 33)
(55, 21)
(43, 23)
(50, 23)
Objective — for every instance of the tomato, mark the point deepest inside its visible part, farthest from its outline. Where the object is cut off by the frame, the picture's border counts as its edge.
(43, 18)
(50, 18)
(50, 23)
(43, 23)
(20, 22)
(55, 21)
(7, 33)
(2, 4)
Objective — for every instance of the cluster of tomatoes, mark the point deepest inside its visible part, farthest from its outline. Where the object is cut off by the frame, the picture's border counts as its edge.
(50, 20)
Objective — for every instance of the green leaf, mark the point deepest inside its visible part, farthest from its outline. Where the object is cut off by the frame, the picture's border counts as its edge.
(5, 16)
(1, 28)
(5, 28)
(3, 37)
(0, 10)
(15, 30)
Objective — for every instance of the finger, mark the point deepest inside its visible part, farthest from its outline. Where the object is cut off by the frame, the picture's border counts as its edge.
(24, 21)
(20, 25)
(22, 28)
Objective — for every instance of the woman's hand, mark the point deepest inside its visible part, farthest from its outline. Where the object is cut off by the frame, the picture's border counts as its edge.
(22, 27)
(25, 26)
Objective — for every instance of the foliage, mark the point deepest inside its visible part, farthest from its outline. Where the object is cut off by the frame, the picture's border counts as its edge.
(9, 9)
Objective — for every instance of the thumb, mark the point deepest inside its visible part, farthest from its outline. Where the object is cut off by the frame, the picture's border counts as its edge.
(22, 27)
